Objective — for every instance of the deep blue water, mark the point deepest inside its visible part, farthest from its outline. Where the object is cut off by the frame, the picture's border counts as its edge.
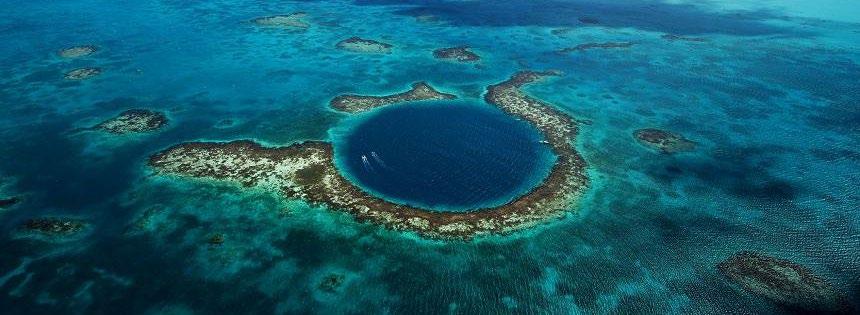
(447, 155)
(768, 91)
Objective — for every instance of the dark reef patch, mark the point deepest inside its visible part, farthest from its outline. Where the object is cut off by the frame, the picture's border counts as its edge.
(361, 45)
(588, 20)
(292, 21)
(82, 73)
(6, 203)
(331, 282)
(460, 53)
(784, 282)
(664, 141)
(134, 121)
(216, 239)
(674, 37)
(420, 91)
(281, 168)
(77, 51)
(55, 226)
(588, 46)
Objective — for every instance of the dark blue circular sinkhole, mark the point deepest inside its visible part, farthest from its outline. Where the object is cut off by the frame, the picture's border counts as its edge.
(446, 156)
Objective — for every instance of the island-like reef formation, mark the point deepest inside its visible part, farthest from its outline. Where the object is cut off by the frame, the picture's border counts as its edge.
(77, 51)
(53, 228)
(357, 44)
(588, 46)
(420, 91)
(788, 284)
(461, 54)
(82, 73)
(292, 21)
(664, 141)
(134, 121)
(307, 171)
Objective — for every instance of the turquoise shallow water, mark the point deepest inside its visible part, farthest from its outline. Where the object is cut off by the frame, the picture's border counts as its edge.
(769, 93)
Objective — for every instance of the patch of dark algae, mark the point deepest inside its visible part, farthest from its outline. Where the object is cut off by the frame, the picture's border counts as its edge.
(788, 284)
(307, 170)
(420, 91)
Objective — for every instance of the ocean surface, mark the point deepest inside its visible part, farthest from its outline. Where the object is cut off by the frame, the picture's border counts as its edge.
(446, 156)
(768, 90)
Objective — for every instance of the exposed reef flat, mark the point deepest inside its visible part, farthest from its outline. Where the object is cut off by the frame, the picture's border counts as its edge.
(357, 44)
(664, 141)
(420, 91)
(307, 171)
(588, 46)
(295, 21)
(77, 51)
(784, 282)
(82, 73)
(461, 54)
(134, 121)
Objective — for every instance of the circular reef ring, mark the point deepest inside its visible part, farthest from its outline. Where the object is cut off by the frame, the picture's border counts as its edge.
(307, 170)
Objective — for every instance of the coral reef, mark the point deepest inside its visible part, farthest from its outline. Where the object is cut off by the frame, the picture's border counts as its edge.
(82, 73)
(294, 21)
(461, 54)
(216, 239)
(673, 37)
(307, 171)
(77, 51)
(357, 44)
(331, 282)
(134, 121)
(358, 103)
(588, 46)
(784, 282)
(664, 141)
(54, 226)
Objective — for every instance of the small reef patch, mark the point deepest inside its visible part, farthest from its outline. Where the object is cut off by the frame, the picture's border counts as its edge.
(82, 73)
(673, 37)
(361, 45)
(664, 141)
(331, 282)
(461, 54)
(307, 171)
(420, 91)
(784, 282)
(293, 21)
(589, 46)
(53, 228)
(77, 51)
(134, 121)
